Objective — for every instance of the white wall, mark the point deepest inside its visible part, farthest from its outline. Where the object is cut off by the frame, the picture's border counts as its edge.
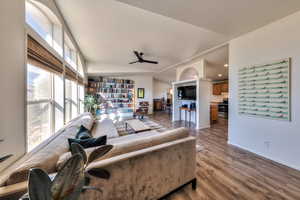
(197, 65)
(205, 91)
(276, 140)
(12, 79)
(160, 89)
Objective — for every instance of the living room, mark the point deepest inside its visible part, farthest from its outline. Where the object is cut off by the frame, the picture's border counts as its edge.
(122, 99)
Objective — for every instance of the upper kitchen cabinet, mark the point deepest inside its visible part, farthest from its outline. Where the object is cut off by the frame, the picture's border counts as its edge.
(219, 88)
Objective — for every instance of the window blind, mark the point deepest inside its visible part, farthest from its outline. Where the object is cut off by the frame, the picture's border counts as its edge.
(70, 74)
(80, 80)
(39, 56)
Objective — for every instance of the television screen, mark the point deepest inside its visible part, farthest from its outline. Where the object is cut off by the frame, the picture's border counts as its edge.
(187, 93)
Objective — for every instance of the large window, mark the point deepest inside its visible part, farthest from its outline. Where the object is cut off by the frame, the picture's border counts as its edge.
(53, 99)
(58, 101)
(80, 67)
(81, 98)
(45, 23)
(71, 99)
(70, 53)
(45, 106)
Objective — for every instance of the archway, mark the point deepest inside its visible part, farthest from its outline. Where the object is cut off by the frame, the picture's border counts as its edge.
(188, 74)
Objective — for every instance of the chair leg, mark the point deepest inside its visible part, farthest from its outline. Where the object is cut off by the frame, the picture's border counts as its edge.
(194, 184)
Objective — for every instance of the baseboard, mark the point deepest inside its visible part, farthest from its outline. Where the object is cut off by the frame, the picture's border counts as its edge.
(264, 156)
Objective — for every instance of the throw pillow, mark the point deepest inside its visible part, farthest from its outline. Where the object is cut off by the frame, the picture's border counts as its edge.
(90, 142)
(83, 133)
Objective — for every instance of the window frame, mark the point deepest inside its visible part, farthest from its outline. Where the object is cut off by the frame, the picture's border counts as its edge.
(61, 56)
(70, 47)
(52, 23)
(80, 100)
(70, 99)
(50, 101)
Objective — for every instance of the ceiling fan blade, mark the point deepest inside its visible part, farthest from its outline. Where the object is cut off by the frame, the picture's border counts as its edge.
(149, 61)
(133, 62)
(137, 54)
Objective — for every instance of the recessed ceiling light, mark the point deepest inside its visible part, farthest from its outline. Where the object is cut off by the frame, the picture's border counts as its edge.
(220, 75)
(226, 65)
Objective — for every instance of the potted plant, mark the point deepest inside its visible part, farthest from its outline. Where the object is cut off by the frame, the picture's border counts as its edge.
(90, 103)
(71, 180)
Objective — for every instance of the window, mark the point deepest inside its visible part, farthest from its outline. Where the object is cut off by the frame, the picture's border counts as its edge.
(45, 23)
(71, 100)
(39, 102)
(81, 98)
(68, 90)
(45, 100)
(80, 67)
(58, 101)
(70, 53)
(74, 112)
(52, 99)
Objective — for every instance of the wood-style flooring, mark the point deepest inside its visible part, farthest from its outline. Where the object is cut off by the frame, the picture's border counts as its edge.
(225, 172)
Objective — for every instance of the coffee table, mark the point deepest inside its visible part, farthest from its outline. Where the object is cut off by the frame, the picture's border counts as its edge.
(137, 125)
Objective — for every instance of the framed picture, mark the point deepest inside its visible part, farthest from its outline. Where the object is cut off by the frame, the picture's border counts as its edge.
(141, 93)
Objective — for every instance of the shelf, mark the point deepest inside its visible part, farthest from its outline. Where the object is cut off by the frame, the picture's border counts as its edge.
(113, 93)
(111, 90)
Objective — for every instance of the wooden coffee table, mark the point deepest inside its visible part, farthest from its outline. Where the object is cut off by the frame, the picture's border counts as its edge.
(137, 125)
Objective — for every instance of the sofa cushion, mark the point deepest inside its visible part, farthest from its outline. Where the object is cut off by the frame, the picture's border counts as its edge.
(134, 142)
(86, 119)
(90, 142)
(105, 127)
(48, 153)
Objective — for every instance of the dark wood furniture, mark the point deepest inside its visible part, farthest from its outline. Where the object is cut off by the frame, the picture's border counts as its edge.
(214, 113)
(142, 110)
(219, 88)
(158, 104)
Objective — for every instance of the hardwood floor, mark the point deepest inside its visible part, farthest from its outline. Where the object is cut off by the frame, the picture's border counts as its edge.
(225, 172)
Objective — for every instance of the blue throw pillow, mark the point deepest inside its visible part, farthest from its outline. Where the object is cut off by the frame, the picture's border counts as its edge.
(90, 142)
(83, 133)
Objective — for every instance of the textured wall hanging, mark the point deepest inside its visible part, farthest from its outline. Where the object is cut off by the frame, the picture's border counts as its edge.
(264, 90)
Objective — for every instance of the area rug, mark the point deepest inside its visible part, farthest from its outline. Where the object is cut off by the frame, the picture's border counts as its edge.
(120, 125)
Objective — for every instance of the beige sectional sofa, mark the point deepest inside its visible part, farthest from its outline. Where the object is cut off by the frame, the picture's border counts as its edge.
(148, 165)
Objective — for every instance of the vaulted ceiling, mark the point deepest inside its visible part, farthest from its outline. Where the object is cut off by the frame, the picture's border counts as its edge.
(169, 31)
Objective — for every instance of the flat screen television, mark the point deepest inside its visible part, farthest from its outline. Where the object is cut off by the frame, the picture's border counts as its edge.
(187, 93)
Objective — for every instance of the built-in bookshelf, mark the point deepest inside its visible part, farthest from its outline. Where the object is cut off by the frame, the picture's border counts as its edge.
(116, 93)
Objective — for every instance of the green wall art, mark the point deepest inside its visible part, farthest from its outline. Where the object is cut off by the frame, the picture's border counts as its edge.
(264, 90)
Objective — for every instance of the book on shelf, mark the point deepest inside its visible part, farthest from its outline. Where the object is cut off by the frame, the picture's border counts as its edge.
(117, 92)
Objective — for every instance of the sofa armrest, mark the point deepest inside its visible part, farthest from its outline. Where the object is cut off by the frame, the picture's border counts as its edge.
(145, 174)
(148, 173)
(13, 191)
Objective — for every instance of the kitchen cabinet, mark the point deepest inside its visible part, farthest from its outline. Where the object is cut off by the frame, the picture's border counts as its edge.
(214, 113)
(219, 88)
(224, 87)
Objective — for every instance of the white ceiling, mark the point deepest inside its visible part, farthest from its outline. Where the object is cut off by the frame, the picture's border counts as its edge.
(228, 17)
(169, 31)
(214, 64)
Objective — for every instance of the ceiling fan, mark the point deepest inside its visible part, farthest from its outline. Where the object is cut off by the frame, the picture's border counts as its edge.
(140, 58)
